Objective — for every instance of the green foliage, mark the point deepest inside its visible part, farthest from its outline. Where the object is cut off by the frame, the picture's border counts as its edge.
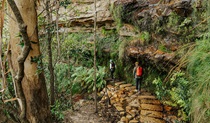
(117, 15)
(63, 79)
(198, 68)
(122, 48)
(175, 92)
(107, 47)
(85, 78)
(107, 32)
(57, 112)
(8, 93)
(78, 48)
(173, 21)
(65, 3)
(163, 48)
(150, 75)
(186, 22)
(145, 37)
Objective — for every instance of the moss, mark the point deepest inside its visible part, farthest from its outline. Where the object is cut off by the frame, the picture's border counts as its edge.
(117, 15)
(107, 32)
(122, 48)
(145, 37)
(163, 48)
(173, 20)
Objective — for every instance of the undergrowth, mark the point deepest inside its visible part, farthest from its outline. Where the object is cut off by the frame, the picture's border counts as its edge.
(175, 92)
(198, 68)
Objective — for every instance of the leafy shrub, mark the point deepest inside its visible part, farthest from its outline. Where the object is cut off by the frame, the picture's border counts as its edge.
(85, 78)
(175, 92)
(63, 79)
(145, 37)
(57, 112)
(198, 69)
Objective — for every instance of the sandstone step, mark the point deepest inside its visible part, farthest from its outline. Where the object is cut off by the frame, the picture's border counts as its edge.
(110, 87)
(145, 93)
(151, 107)
(125, 85)
(134, 103)
(124, 119)
(119, 83)
(144, 119)
(133, 121)
(119, 108)
(155, 114)
(130, 88)
(146, 97)
(150, 101)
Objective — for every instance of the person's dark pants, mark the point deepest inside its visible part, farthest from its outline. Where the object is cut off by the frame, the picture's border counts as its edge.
(112, 74)
(138, 83)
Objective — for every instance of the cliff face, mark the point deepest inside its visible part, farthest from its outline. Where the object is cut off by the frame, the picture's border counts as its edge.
(80, 15)
(158, 27)
(168, 26)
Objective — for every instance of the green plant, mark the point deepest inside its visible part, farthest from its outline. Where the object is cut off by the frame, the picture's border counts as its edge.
(117, 15)
(78, 48)
(122, 49)
(57, 112)
(163, 48)
(65, 3)
(63, 79)
(85, 78)
(175, 92)
(173, 21)
(145, 37)
(198, 69)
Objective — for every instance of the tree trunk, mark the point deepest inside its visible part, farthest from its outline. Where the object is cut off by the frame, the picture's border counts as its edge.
(57, 30)
(33, 83)
(95, 70)
(50, 66)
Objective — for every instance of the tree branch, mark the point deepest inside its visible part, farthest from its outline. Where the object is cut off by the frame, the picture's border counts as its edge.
(21, 58)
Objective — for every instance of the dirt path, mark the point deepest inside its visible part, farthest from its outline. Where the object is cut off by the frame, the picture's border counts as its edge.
(121, 104)
(84, 113)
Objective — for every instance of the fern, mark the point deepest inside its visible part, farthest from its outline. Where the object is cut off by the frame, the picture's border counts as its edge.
(85, 78)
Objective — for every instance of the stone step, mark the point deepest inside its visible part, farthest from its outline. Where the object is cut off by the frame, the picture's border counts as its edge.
(119, 83)
(144, 119)
(146, 97)
(125, 85)
(130, 88)
(110, 87)
(155, 114)
(150, 101)
(119, 108)
(151, 107)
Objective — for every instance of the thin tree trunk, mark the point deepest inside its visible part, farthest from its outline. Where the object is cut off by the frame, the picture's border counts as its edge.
(2, 67)
(95, 19)
(57, 30)
(50, 67)
(71, 84)
(58, 42)
(30, 81)
(21, 59)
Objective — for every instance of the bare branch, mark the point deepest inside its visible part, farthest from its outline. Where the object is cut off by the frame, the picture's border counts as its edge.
(21, 58)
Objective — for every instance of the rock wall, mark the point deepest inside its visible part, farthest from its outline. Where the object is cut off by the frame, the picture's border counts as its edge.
(166, 23)
(80, 15)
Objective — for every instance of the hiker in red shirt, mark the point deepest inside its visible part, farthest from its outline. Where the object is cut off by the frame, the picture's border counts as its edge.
(137, 72)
